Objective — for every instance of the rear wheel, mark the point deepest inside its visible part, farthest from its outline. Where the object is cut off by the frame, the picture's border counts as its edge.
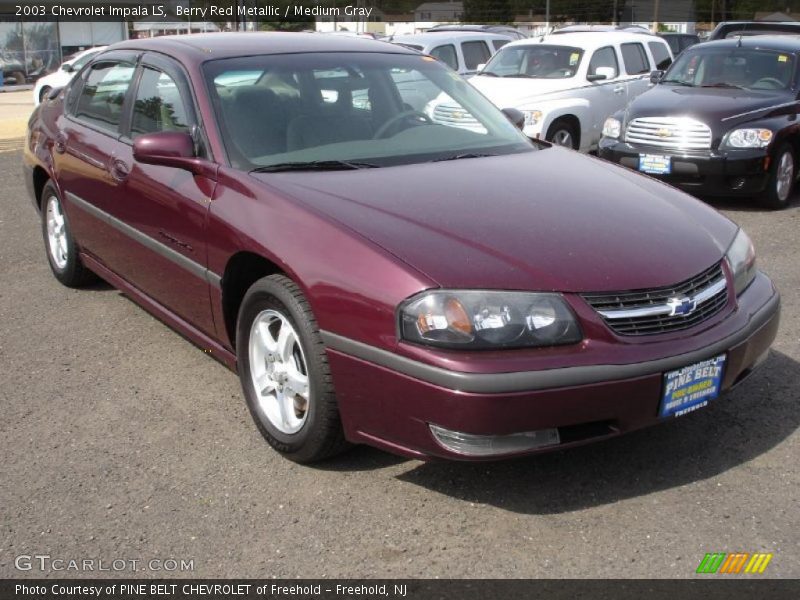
(283, 369)
(60, 246)
(782, 173)
(563, 133)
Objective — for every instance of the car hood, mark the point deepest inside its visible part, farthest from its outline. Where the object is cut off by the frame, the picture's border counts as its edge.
(547, 220)
(709, 105)
(513, 92)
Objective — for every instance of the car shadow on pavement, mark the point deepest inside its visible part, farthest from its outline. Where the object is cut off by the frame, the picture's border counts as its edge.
(740, 426)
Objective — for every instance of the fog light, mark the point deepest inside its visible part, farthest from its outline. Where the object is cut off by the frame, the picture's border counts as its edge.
(493, 445)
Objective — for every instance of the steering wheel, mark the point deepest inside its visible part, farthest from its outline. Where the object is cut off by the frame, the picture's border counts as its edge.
(777, 83)
(399, 117)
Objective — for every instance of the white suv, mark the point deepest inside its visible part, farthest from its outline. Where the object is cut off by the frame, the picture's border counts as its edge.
(566, 85)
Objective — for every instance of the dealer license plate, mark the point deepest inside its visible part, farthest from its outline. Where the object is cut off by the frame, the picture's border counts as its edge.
(655, 164)
(691, 387)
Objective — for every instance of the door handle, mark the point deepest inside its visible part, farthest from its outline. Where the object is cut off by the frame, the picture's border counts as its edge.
(60, 143)
(118, 169)
(619, 90)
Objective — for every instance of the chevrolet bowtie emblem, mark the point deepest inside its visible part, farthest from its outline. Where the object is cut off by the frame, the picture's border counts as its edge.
(664, 132)
(681, 306)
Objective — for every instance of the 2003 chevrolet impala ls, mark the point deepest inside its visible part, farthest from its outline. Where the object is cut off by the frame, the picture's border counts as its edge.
(284, 201)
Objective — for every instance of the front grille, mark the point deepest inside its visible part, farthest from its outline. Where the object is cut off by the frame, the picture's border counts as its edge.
(618, 309)
(679, 133)
(456, 116)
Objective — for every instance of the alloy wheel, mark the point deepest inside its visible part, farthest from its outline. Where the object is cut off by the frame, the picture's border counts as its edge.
(56, 233)
(784, 176)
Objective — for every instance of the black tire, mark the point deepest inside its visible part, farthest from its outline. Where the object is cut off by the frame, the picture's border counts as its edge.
(43, 93)
(562, 127)
(68, 269)
(776, 196)
(321, 435)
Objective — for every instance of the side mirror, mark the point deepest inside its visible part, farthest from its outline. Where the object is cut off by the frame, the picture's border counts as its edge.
(480, 68)
(601, 74)
(170, 149)
(656, 76)
(67, 68)
(515, 116)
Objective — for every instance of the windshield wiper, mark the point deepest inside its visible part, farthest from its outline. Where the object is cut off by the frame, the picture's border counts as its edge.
(464, 155)
(677, 82)
(521, 75)
(489, 73)
(315, 165)
(724, 85)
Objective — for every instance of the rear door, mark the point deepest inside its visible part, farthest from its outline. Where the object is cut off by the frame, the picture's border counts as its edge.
(636, 69)
(474, 52)
(86, 144)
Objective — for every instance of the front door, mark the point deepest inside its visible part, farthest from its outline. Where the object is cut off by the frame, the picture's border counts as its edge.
(606, 96)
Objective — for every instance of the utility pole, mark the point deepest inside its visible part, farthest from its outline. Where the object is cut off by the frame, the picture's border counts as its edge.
(655, 16)
(614, 20)
(547, 17)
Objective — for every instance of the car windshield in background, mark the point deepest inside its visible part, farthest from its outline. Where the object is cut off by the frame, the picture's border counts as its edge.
(742, 68)
(538, 62)
(348, 110)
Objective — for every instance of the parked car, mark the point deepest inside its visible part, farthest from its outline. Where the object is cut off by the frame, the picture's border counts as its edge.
(507, 30)
(565, 85)
(678, 42)
(601, 29)
(729, 29)
(376, 277)
(60, 78)
(13, 71)
(462, 51)
(721, 121)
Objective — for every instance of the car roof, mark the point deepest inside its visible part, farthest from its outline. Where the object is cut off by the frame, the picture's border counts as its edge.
(437, 37)
(202, 47)
(782, 43)
(587, 40)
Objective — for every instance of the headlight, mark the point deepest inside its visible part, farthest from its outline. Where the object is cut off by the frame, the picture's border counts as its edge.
(612, 128)
(487, 319)
(532, 117)
(741, 257)
(748, 138)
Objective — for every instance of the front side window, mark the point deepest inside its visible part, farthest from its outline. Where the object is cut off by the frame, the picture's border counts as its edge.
(103, 94)
(604, 62)
(446, 54)
(358, 108)
(158, 105)
(535, 62)
(737, 68)
(475, 53)
(634, 59)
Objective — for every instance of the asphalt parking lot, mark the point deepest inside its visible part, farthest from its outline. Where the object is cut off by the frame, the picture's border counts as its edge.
(122, 441)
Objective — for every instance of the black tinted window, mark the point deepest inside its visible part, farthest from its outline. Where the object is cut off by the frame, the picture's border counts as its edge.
(158, 105)
(103, 94)
(499, 44)
(660, 55)
(475, 53)
(635, 59)
(446, 54)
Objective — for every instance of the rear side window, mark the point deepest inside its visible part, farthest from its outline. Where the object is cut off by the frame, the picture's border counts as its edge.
(604, 57)
(499, 44)
(475, 53)
(687, 41)
(660, 55)
(103, 94)
(447, 55)
(158, 105)
(635, 59)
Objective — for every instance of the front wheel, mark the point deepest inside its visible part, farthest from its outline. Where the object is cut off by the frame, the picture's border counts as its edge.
(563, 133)
(283, 369)
(782, 173)
(60, 246)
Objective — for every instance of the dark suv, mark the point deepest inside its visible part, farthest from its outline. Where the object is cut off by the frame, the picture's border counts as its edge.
(729, 29)
(721, 121)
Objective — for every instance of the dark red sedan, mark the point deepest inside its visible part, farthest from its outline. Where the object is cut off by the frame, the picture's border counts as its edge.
(287, 202)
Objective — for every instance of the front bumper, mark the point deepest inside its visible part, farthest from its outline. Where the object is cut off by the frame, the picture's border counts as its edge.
(390, 401)
(705, 173)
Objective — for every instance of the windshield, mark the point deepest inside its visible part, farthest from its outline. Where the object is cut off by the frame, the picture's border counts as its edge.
(538, 62)
(742, 68)
(348, 110)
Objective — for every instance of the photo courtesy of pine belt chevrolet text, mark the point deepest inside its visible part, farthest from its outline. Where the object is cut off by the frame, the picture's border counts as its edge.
(378, 274)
